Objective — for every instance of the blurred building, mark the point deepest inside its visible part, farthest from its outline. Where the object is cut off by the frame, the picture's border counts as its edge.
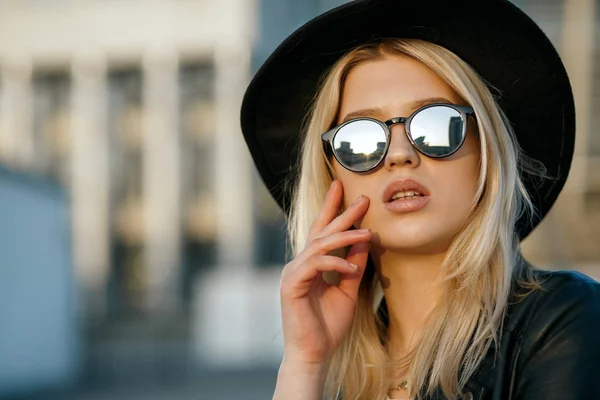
(133, 107)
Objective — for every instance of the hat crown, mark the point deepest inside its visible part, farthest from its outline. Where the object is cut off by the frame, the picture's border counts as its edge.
(535, 92)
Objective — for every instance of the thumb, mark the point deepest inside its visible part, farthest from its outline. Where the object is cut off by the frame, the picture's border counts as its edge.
(358, 255)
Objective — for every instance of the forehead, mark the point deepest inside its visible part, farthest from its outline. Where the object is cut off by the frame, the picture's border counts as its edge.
(391, 84)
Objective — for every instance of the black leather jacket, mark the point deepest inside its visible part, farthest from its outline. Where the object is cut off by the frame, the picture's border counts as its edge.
(550, 346)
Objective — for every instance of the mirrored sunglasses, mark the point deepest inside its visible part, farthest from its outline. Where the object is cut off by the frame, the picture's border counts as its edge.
(435, 130)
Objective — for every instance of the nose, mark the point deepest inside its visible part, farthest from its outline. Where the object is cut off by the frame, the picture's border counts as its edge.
(401, 152)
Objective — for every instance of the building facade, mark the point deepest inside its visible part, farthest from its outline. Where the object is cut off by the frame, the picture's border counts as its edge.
(133, 107)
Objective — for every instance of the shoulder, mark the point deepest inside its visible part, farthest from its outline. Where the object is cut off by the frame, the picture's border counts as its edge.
(549, 346)
(565, 279)
(566, 308)
(561, 294)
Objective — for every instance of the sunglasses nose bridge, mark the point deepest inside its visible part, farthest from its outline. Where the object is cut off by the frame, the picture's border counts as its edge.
(400, 148)
(395, 121)
(392, 122)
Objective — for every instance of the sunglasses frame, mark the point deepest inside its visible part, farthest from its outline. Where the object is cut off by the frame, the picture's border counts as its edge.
(329, 136)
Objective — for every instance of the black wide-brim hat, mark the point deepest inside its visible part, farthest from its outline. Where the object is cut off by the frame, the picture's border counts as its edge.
(496, 38)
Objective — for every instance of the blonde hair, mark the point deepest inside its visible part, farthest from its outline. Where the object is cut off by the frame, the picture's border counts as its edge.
(483, 260)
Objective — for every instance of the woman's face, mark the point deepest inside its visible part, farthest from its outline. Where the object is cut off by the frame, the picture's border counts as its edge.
(392, 87)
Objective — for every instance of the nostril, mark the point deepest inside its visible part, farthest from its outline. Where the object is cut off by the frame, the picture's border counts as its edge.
(406, 162)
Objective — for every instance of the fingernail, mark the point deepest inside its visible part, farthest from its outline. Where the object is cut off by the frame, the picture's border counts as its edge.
(353, 267)
(332, 183)
(357, 200)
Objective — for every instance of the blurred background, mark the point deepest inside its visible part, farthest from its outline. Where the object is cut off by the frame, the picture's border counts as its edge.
(140, 254)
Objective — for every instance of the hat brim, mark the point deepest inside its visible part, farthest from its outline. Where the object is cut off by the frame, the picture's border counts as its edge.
(496, 38)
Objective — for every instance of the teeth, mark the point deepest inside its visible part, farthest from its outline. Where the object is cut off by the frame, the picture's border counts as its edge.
(409, 193)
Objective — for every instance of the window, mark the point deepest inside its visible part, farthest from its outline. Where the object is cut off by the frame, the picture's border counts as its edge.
(125, 137)
(197, 117)
(51, 130)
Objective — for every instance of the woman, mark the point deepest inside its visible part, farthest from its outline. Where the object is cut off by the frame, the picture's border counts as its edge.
(418, 174)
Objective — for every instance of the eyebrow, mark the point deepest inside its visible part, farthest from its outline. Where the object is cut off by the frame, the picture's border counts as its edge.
(413, 105)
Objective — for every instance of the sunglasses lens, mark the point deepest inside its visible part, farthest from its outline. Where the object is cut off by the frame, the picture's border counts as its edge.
(438, 131)
(360, 145)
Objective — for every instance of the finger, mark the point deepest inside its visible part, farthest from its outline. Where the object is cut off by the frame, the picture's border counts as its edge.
(318, 264)
(347, 219)
(329, 245)
(337, 240)
(329, 210)
(358, 255)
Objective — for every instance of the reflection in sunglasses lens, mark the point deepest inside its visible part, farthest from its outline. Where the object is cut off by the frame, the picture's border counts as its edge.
(360, 145)
(437, 131)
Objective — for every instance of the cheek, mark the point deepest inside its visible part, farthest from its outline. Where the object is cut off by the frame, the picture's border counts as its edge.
(458, 187)
(461, 173)
(349, 183)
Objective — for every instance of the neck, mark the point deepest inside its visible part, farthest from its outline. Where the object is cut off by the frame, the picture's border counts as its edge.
(411, 286)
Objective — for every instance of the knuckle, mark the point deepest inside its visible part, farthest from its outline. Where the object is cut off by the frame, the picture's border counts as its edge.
(289, 266)
(286, 282)
(288, 270)
(284, 273)
(285, 288)
(312, 260)
(319, 242)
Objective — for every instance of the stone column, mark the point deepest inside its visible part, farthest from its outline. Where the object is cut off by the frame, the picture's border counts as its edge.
(90, 177)
(225, 312)
(577, 50)
(233, 169)
(161, 179)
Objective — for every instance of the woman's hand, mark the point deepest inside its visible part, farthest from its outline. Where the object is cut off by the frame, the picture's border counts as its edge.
(316, 315)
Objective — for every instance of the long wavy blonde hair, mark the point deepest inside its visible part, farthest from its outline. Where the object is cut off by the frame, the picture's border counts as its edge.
(480, 265)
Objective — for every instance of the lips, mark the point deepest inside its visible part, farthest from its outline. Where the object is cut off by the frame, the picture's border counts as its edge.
(406, 204)
(403, 185)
